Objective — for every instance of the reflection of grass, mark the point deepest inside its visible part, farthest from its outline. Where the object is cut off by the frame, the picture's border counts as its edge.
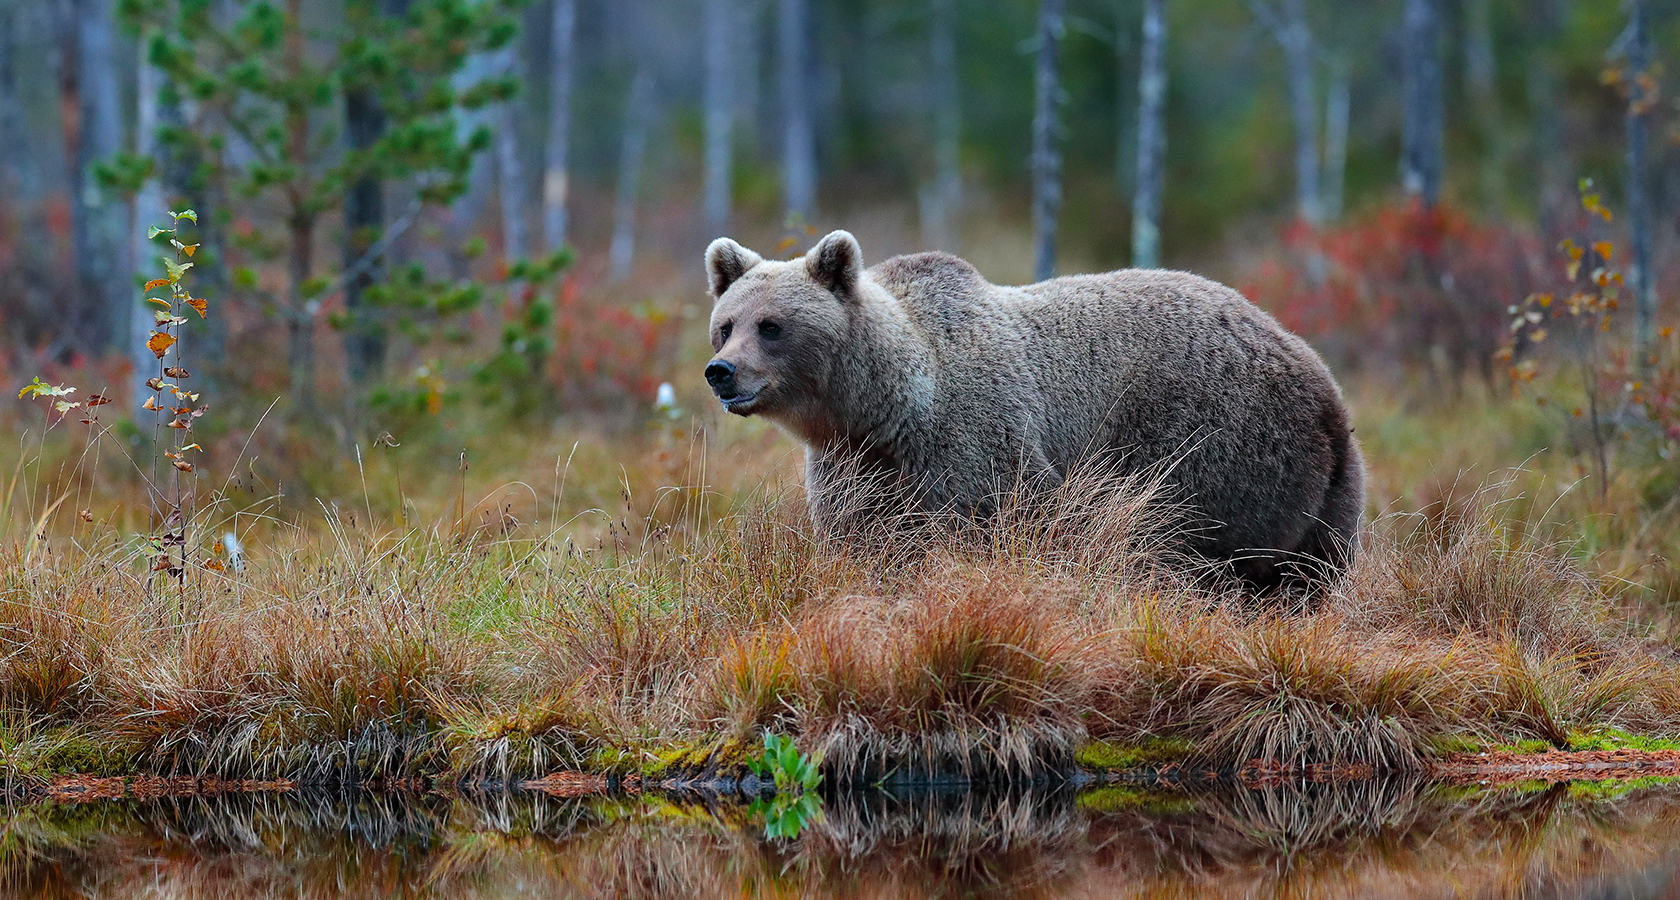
(1346, 840)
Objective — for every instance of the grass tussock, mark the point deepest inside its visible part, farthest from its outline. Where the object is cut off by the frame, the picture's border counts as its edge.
(993, 651)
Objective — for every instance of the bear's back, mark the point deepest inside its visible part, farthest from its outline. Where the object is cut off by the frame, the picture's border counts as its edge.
(941, 293)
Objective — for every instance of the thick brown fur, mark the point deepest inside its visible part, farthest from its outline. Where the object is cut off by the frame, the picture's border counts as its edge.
(953, 389)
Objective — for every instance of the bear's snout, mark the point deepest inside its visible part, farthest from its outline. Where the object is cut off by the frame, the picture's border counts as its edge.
(720, 374)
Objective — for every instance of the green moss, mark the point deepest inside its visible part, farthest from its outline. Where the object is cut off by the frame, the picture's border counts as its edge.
(1616, 739)
(1442, 745)
(73, 753)
(1109, 756)
(1613, 790)
(1123, 798)
(658, 762)
(1448, 744)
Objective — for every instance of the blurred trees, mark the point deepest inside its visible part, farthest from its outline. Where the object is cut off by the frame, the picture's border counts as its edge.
(274, 82)
(922, 119)
(1046, 158)
(1422, 134)
(1151, 138)
(799, 151)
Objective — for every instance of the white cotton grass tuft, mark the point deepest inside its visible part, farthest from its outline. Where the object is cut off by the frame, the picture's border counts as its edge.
(235, 552)
(665, 400)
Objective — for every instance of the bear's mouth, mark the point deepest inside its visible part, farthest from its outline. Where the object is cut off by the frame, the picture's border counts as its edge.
(739, 404)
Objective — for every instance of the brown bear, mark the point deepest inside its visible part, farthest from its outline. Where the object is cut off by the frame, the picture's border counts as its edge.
(950, 386)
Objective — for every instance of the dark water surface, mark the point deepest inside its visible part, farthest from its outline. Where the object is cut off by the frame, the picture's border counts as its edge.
(1384, 839)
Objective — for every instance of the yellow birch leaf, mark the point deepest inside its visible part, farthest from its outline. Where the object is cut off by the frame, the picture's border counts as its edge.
(160, 343)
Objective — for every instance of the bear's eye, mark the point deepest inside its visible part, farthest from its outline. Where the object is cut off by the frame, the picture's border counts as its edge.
(769, 330)
(723, 333)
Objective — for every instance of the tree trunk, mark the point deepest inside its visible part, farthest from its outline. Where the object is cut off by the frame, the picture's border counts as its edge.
(149, 209)
(1480, 74)
(299, 312)
(510, 168)
(799, 163)
(101, 258)
(1296, 39)
(1152, 138)
(559, 124)
(1046, 158)
(946, 200)
(1125, 151)
(467, 211)
(1336, 108)
(14, 165)
(1640, 264)
(638, 113)
(300, 317)
(720, 112)
(364, 218)
(747, 44)
(1421, 134)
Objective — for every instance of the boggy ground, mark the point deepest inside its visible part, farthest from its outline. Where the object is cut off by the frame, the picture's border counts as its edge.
(1065, 634)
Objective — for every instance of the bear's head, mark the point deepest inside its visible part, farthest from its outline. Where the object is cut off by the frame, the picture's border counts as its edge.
(778, 327)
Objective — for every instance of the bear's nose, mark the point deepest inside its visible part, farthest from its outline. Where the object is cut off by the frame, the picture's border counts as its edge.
(720, 374)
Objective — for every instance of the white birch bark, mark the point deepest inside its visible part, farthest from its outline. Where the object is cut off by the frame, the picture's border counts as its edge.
(638, 115)
(799, 152)
(718, 30)
(1152, 138)
(555, 185)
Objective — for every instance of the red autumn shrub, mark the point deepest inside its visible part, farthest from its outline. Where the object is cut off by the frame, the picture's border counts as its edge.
(1402, 288)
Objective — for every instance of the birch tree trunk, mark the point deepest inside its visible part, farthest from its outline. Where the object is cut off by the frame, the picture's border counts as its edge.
(467, 210)
(1421, 134)
(101, 260)
(1336, 109)
(1638, 191)
(1296, 39)
(799, 163)
(638, 114)
(720, 110)
(1046, 158)
(946, 200)
(510, 171)
(1152, 138)
(555, 185)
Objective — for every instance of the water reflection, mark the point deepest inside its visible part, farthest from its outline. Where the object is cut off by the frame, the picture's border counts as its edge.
(1380, 839)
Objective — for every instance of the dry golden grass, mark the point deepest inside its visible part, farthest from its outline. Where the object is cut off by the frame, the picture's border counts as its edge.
(992, 651)
(426, 620)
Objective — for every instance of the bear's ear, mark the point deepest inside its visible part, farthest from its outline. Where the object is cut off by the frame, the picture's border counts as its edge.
(727, 261)
(836, 261)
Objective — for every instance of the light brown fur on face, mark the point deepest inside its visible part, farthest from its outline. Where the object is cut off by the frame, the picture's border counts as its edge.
(953, 387)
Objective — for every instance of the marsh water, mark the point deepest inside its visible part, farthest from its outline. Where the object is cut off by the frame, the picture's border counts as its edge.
(1373, 839)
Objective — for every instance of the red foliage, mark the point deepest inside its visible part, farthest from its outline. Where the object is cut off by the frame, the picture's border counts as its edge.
(1402, 287)
(605, 351)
